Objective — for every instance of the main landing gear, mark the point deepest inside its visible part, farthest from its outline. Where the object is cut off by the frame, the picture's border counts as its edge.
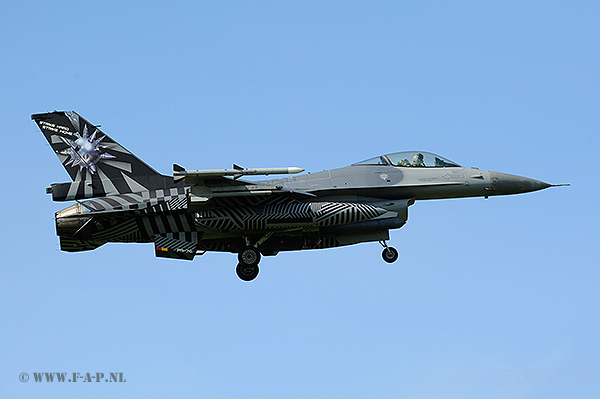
(389, 254)
(247, 268)
(249, 257)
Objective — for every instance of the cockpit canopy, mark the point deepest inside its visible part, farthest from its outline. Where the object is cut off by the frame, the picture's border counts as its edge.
(411, 159)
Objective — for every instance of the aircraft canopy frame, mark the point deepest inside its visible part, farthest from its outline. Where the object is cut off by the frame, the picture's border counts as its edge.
(411, 159)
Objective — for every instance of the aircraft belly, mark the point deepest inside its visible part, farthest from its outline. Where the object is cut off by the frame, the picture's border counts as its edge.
(291, 241)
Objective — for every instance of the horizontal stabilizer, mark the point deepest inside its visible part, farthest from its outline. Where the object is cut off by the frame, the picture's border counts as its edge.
(154, 201)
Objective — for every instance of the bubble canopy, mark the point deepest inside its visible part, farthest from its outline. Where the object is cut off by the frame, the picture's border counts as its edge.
(411, 159)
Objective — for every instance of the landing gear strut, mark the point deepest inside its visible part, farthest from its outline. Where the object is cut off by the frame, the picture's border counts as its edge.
(247, 269)
(389, 254)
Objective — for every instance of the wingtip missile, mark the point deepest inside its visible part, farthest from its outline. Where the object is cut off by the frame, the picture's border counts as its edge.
(236, 172)
(294, 170)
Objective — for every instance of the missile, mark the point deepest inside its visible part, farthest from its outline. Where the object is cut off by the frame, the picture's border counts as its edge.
(236, 172)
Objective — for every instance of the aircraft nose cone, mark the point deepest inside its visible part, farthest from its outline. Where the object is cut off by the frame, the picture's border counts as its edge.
(503, 184)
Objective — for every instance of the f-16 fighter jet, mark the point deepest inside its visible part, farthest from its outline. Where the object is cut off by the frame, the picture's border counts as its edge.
(119, 198)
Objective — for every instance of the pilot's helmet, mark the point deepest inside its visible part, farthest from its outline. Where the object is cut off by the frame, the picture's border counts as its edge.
(418, 160)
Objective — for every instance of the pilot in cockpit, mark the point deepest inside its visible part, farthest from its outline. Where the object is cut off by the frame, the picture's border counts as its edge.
(418, 160)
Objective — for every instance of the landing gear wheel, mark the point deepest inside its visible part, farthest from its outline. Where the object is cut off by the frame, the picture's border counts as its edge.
(249, 256)
(389, 254)
(245, 272)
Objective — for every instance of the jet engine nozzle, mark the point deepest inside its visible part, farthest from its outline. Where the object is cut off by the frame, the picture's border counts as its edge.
(78, 227)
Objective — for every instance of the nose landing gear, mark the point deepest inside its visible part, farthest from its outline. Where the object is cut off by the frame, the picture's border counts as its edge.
(389, 254)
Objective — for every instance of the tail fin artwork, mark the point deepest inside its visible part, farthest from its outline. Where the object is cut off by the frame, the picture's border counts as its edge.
(97, 164)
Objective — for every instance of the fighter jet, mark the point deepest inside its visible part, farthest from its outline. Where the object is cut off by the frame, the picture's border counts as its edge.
(119, 198)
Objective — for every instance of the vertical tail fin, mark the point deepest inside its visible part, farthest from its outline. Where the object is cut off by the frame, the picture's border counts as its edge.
(97, 164)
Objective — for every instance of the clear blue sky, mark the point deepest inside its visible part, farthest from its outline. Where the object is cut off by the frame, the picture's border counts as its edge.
(493, 298)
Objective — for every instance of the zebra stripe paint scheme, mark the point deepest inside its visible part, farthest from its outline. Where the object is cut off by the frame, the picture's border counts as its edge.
(149, 201)
(188, 227)
(294, 214)
(179, 245)
(125, 200)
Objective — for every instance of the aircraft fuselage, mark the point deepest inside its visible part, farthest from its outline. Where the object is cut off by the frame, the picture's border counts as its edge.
(122, 199)
(394, 182)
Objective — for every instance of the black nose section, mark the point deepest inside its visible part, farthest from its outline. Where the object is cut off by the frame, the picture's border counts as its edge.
(503, 184)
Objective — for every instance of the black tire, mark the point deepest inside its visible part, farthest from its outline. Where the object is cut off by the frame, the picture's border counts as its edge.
(389, 254)
(245, 272)
(249, 256)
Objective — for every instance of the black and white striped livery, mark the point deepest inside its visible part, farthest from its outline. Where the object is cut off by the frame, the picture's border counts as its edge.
(293, 214)
(122, 199)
